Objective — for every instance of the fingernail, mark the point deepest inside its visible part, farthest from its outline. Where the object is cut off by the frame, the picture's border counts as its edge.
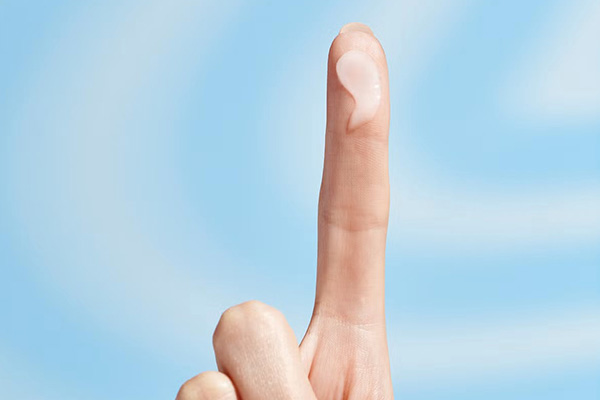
(359, 74)
(356, 27)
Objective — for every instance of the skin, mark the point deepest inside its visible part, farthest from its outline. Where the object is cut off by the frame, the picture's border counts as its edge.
(344, 353)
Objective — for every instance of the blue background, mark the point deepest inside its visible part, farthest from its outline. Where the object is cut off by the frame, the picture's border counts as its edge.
(161, 160)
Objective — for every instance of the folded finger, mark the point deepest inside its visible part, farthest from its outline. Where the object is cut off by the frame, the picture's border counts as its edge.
(257, 349)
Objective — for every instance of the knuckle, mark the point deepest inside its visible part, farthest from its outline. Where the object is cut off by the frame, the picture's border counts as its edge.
(253, 308)
(187, 391)
(207, 385)
(245, 320)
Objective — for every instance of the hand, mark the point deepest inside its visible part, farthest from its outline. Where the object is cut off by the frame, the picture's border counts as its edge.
(344, 353)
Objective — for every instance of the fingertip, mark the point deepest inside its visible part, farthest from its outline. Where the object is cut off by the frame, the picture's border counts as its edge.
(356, 27)
(350, 104)
(357, 38)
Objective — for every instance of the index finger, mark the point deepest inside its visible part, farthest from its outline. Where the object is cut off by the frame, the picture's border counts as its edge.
(354, 197)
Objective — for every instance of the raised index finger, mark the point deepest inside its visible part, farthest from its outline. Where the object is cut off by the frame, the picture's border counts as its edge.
(354, 198)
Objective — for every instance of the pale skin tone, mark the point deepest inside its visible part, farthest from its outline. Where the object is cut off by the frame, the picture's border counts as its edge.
(344, 353)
